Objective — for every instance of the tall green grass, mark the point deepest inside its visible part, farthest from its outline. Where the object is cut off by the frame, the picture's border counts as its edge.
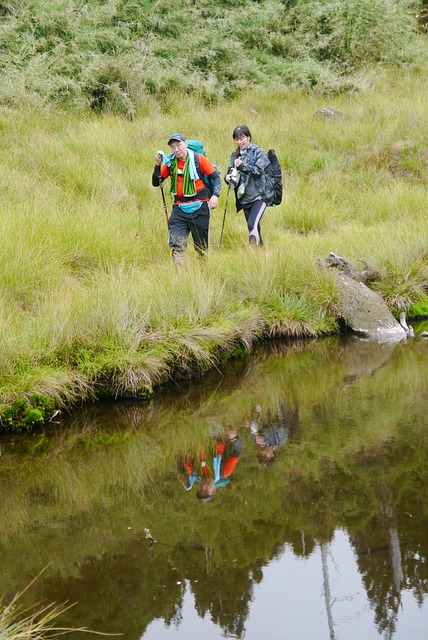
(91, 303)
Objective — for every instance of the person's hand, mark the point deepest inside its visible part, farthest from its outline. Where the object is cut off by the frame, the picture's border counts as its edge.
(238, 162)
(227, 178)
(213, 202)
(158, 157)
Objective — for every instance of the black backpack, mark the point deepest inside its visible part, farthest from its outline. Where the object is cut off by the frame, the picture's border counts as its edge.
(273, 174)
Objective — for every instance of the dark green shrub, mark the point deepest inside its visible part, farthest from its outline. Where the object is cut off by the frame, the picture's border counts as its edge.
(111, 55)
(354, 33)
(8, 7)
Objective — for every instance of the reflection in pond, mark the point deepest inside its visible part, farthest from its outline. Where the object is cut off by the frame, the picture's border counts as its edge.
(213, 466)
(273, 430)
(316, 455)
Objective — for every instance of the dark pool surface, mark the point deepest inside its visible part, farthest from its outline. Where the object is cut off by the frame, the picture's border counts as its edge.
(284, 497)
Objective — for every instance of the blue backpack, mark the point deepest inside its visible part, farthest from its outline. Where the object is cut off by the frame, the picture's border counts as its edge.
(198, 147)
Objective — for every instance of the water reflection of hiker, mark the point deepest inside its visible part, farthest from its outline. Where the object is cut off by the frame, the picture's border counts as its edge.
(192, 200)
(273, 430)
(248, 163)
(214, 466)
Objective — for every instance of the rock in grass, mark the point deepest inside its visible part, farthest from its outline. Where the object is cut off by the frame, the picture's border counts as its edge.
(329, 112)
(365, 311)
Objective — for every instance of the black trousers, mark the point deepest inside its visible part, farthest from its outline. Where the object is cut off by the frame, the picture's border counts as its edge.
(253, 214)
(196, 224)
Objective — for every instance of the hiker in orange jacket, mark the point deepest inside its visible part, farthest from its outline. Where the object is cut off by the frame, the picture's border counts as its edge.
(192, 199)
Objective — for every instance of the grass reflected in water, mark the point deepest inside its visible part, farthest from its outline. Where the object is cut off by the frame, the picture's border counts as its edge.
(346, 420)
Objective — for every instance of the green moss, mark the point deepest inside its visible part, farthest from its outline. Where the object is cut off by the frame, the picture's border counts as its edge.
(419, 309)
(26, 413)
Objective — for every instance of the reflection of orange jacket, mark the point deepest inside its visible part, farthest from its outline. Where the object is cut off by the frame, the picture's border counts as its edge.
(229, 466)
(229, 463)
(206, 167)
(220, 463)
(189, 466)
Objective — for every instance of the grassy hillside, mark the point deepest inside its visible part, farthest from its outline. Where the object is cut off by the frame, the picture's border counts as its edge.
(125, 55)
(90, 302)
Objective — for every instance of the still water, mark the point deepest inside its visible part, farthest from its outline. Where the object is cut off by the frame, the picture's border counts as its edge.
(283, 497)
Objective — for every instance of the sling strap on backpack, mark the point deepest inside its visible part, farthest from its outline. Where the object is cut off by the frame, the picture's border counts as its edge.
(198, 147)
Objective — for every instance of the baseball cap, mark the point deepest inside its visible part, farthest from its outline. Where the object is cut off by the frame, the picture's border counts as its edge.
(176, 136)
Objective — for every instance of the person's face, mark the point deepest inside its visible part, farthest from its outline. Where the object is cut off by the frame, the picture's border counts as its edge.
(266, 453)
(207, 485)
(231, 433)
(243, 142)
(206, 488)
(179, 149)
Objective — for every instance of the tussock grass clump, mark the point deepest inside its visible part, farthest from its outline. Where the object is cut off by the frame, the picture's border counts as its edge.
(19, 622)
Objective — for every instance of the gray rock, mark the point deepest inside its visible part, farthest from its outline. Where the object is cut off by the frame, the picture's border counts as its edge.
(345, 266)
(365, 311)
(329, 112)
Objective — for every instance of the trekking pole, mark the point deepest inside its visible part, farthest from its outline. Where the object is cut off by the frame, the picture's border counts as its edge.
(163, 199)
(224, 216)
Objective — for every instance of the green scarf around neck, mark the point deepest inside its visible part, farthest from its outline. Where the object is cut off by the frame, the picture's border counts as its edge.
(188, 183)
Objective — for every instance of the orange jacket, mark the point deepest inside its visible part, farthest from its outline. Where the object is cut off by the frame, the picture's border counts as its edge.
(206, 167)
